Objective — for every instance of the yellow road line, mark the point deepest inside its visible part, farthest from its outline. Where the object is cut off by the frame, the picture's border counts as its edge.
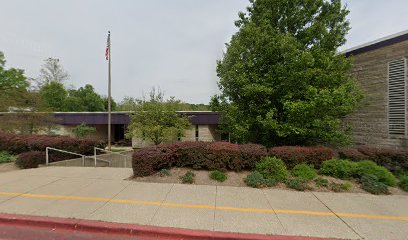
(222, 208)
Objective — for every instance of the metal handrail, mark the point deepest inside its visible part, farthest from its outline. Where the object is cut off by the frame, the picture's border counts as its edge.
(111, 152)
(59, 150)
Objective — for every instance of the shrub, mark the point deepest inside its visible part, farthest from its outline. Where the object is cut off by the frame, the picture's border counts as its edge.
(371, 184)
(403, 184)
(304, 171)
(224, 155)
(392, 159)
(19, 143)
(298, 184)
(6, 157)
(188, 177)
(164, 172)
(293, 155)
(30, 159)
(218, 176)
(197, 155)
(251, 154)
(342, 169)
(371, 168)
(272, 168)
(321, 182)
(147, 161)
(340, 187)
(256, 180)
(351, 154)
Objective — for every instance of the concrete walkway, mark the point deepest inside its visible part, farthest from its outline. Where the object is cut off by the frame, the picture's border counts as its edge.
(103, 194)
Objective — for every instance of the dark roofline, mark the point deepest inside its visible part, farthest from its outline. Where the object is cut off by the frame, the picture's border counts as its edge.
(377, 44)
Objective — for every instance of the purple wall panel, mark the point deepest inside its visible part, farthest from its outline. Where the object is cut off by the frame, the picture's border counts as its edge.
(202, 118)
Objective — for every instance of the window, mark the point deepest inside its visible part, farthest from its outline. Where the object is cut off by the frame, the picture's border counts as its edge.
(197, 134)
(396, 97)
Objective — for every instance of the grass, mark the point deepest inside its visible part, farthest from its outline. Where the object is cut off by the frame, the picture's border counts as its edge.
(118, 150)
(164, 172)
(188, 178)
(218, 176)
(6, 157)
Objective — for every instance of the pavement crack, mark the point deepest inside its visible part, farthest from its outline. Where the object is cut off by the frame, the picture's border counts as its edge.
(110, 199)
(215, 206)
(157, 210)
(277, 217)
(341, 219)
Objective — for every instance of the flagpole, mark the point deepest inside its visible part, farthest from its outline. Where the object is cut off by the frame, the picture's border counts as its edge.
(109, 94)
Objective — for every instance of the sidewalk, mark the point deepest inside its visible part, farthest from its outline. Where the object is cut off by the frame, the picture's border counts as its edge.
(102, 194)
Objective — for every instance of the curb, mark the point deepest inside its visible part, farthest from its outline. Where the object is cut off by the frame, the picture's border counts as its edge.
(150, 232)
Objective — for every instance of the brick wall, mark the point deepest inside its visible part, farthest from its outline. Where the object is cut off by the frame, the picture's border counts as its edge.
(370, 122)
(206, 133)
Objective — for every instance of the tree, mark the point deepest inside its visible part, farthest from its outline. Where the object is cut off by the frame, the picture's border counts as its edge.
(54, 94)
(15, 96)
(83, 130)
(157, 120)
(52, 71)
(13, 85)
(282, 79)
(85, 99)
(113, 104)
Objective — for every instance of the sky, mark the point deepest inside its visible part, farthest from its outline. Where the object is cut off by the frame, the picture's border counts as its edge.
(171, 44)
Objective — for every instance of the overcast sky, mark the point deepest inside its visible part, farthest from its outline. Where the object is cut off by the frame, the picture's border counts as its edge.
(173, 44)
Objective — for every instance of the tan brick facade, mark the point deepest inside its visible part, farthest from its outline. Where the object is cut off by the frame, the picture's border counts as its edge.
(370, 122)
(206, 133)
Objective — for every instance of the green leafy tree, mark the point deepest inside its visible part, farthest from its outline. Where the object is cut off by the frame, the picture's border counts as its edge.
(156, 120)
(85, 99)
(282, 78)
(54, 94)
(114, 106)
(82, 130)
(13, 85)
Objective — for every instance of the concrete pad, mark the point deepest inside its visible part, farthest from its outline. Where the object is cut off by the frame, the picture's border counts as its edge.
(283, 199)
(152, 192)
(373, 205)
(27, 184)
(124, 213)
(202, 219)
(63, 187)
(316, 226)
(70, 209)
(247, 222)
(65, 172)
(101, 189)
(109, 173)
(306, 225)
(395, 205)
(24, 205)
(192, 194)
(83, 208)
(192, 218)
(11, 177)
(134, 213)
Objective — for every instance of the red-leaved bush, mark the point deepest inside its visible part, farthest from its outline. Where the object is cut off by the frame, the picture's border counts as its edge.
(293, 155)
(19, 143)
(197, 155)
(30, 159)
(392, 159)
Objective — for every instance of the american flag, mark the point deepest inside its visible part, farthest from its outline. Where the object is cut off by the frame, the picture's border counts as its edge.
(107, 47)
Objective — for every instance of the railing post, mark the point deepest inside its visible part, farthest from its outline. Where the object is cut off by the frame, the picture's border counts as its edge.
(46, 156)
(83, 161)
(95, 155)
